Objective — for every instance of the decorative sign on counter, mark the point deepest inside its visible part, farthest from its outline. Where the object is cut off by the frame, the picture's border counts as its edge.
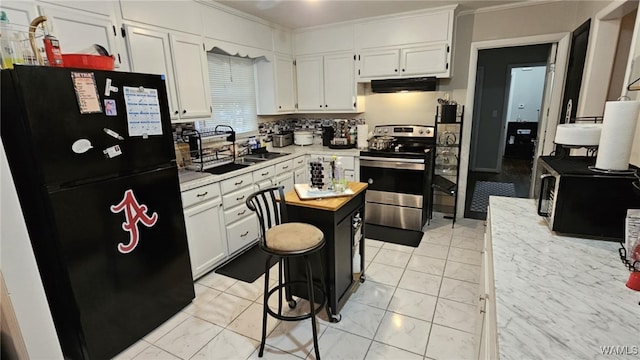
(305, 192)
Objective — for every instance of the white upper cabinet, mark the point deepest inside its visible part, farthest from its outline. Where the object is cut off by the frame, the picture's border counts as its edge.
(192, 76)
(275, 85)
(178, 15)
(326, 83)
(182, 60)
(324, 40)
(78, 30)
(310, 81)
(409, 45)
(221, 25)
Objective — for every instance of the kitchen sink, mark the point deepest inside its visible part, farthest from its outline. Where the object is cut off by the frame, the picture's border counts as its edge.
(223, 169)
(264, 156)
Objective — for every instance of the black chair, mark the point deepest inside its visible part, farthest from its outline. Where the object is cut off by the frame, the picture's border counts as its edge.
(286, 240)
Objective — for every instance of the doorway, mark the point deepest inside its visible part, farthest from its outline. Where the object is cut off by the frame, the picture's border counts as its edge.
(509, 89)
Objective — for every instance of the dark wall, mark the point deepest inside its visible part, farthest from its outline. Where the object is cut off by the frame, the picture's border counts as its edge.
(489, 117)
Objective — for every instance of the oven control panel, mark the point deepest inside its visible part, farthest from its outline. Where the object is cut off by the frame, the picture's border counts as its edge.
(404, 131)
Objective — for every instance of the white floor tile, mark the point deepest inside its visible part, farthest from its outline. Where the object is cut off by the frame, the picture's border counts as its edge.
(249, 291)
(413, 304)
(465, 256)
(464, 272)
(404, 332)
(359, 319)
(167, 326)
(426, 264)
(467, 243)
(221, 310)
(295, 337)
(384, 274)
(420, 282)
(448, 344)
(456, 315)
(249, 323)
(370, 253)
(458, 290)
(373, 243)
(155, 353)
(336, 344)
(432, 250)
(373, 294)
(188, 337)
(227, 345)
(217, 281)
(380, 351)
(271, 353)
(437, 237)
(398, 247)
(392, 258)
(132, 351)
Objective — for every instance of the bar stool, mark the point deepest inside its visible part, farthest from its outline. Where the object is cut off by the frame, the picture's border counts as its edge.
(286, 240)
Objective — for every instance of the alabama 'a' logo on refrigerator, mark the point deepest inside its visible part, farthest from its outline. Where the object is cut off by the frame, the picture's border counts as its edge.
(134, 213)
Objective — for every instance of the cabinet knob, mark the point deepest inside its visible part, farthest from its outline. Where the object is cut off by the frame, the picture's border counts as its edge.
(240, 198)
(245, 234)
(279, 107)
(325, 105)
(203, 194)
(402, 70)
(176, 112)
(396, 70)
(320, 106)
(239, 182)
(184, 111)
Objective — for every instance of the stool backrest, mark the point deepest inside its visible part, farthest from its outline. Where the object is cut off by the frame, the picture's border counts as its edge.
(270, 211)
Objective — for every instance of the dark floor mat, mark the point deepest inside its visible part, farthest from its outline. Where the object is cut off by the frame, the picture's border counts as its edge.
(393, 235)
(248, 266)
(484, 189)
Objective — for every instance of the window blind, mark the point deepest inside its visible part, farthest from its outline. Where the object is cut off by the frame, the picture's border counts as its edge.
(233, 97)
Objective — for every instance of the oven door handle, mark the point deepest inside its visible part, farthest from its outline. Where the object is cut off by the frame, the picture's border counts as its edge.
(391, 163)
(543, 179)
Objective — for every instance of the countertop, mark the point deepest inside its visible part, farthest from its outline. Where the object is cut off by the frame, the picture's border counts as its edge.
(557, 297)
(193, 179)
(330, 204)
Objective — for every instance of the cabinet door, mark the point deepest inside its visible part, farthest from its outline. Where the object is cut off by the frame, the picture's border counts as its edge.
(285, 180)
(206, 242)
(300, 176)
(376, 63)
(78, 30)
(424, 60)
(339, 82)
(242, 233)
(309, 71)
(149, 52)
(285, 84)
(192, 76)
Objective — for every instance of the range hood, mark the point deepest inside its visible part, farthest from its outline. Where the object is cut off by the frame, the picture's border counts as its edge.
(408, 84)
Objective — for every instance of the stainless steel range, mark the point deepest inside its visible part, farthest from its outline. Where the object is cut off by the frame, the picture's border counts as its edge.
(398, 168)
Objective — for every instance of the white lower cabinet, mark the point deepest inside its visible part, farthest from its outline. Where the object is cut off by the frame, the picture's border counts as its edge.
(285, 180)
(242, 232)
(486, 327)
(203, 219)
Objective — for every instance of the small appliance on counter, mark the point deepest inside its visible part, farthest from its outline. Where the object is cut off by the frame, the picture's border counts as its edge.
(282, 140)
(303, 137)
(575, 200)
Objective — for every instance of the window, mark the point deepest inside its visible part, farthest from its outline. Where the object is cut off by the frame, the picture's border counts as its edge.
(233, 96)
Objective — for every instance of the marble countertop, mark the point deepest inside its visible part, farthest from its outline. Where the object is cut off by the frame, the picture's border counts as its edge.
(193, 179)
(558, 297)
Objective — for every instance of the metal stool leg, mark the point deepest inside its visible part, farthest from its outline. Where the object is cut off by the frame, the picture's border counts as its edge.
(312, 305)
(265, 305)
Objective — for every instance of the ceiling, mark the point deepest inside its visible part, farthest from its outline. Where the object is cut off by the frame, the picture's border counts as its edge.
(294, 14)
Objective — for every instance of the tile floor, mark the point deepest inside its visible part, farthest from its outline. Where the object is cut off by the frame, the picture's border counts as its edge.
(416, 303)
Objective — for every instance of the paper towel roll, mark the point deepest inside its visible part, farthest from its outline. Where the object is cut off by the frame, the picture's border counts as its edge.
(618, 128)
(362, 133)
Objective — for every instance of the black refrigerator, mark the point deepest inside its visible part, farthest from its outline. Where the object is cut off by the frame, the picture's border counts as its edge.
(92, 157)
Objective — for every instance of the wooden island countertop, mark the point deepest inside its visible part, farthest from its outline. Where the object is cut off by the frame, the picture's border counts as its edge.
(330, 204)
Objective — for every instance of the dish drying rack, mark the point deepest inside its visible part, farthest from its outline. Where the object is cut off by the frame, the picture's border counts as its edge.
(209, 148)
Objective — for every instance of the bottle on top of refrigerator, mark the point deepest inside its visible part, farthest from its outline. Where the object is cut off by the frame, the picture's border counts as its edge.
(9, 42)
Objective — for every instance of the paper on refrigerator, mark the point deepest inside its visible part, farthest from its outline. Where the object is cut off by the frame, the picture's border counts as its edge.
(143, 111)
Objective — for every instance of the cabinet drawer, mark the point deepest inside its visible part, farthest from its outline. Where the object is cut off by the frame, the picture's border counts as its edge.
(242, 233)
(283, 167)
(299, 162)
(264, 173)
(201, 194)
(236, 213)
(236, 183)
(236, 197)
